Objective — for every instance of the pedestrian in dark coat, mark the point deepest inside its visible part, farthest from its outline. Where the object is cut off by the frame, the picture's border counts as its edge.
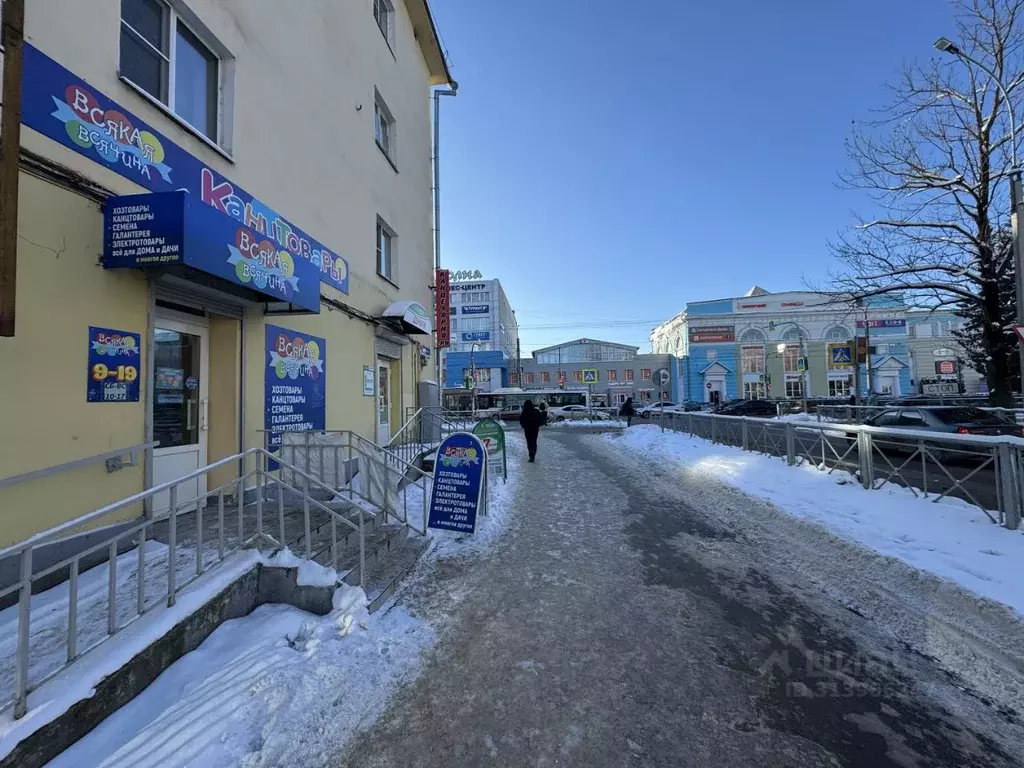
(628, 411)
(531, 421)
(543, 414)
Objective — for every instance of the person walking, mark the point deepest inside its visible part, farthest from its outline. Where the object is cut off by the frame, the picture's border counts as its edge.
(531, 420)
(543, 414)
(628, 411)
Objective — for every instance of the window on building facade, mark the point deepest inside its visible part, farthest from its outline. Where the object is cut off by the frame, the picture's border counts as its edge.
(168, 60)
(795, 387)
(577, 375)
(453, 323)
(477, 297)
(752, 359)
(513, 380)
(789, 358)
(839, 387)
(645, 374)
(613, 375)
(752, 336)
(383, 13)
(545, 377)
(753, 390)
(645, 395)
(384, 127)
(386, 251)
(629, 374)
(529, 378)
(837, 333)
(711, 355)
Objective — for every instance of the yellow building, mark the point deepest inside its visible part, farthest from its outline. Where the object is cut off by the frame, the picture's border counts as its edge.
(267, 261)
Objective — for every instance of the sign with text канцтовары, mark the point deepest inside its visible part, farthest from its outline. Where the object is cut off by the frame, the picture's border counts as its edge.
(114, 362)
(295, 396)
(458, 483)
(63, 107)
(442, 309)
(493, 437)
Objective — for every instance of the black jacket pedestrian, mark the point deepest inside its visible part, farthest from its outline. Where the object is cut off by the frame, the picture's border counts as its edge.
(627, 408)
(531, 421)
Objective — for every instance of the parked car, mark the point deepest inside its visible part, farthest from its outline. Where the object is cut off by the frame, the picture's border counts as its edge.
(953, 420)
(510, 413)
(563, 412)
(762, 408)
(645, 410)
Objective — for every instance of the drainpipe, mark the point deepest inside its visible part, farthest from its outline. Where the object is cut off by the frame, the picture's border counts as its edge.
(13, 31)
(437, 212)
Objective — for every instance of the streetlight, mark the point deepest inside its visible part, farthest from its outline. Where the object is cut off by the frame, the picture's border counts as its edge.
(1016, 197)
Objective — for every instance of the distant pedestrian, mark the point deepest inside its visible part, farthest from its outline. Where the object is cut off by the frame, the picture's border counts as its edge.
(853, 400)
(531, 421)
(628, 411)
(544, 414)
(873, 399)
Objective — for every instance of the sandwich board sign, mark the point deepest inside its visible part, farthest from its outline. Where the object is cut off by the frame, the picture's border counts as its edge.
(493, 437)
(458, 483)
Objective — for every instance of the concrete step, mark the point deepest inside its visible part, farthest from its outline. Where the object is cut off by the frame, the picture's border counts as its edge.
(384, 579)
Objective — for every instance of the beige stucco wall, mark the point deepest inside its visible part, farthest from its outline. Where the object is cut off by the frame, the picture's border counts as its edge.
(303, 143)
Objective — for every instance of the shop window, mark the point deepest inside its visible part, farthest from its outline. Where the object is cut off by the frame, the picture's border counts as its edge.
(629, 374)
(384, 127)
(513, 380)
(753, 390)
(545, 377)
(613, 375)
(795, 387)
(577, 376)
(175, 63)
(839, 387)
(386, 252)
(645, 374)
(529, 378)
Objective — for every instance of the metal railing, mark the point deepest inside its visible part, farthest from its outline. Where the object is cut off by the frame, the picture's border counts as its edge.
(337, 457)
(424, 429)
(182, 526)
(985, 471)
(111, 458)
(858, 414)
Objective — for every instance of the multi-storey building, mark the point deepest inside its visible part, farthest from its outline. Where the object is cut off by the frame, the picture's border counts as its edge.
(223, 232)
(484, 335)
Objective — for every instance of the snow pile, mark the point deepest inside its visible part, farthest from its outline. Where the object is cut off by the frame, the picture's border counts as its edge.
(951, 539)
(279, 687)
(310, 574)
(608, 423)
(79, 681)
(798, 417)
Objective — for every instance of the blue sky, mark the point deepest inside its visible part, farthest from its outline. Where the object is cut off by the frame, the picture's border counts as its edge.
(610, 161)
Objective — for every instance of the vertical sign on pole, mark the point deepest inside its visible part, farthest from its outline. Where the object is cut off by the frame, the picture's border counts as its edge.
(458, 483)
(493, 437)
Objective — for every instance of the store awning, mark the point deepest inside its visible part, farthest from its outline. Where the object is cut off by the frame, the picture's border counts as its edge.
(176, 230)
(409, 317)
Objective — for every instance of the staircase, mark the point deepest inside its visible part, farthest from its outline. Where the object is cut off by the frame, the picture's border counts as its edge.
(331, 497)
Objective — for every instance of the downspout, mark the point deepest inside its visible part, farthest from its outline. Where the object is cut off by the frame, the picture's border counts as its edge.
(437, 217)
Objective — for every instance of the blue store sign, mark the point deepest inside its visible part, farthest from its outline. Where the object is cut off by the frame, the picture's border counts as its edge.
(295, 387)
(63, 107)
(476, 309)
(458, 483)
(476, 336)
(166, 228)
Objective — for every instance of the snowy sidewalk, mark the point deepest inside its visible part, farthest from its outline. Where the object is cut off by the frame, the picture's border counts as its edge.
(951, 539)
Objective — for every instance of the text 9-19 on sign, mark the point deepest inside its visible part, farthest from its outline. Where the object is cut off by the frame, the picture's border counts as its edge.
(114, 362)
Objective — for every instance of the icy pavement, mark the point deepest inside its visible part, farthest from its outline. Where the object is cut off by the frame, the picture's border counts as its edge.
(951, 539)
(280, 688)
(630, 616)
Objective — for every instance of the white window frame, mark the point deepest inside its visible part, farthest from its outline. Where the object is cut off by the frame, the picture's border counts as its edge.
(753, 390)
(839, 387)
(752, 358)
(794, 387)
(383, 229)
(384, 125)
(179, 13)
(387, 28)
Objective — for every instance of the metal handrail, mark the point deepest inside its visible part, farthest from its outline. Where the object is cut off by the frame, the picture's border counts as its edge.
(75, 464)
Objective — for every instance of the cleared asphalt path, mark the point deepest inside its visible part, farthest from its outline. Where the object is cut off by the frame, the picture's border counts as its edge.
(632, 616)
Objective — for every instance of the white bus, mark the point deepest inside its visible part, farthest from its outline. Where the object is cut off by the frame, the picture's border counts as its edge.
(491, 403)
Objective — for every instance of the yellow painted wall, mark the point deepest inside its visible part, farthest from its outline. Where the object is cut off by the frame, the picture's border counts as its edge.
(45, 419)
(224, 389)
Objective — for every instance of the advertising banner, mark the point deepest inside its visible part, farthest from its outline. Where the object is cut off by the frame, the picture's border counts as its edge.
(493, 437)
(161, 229)
(65, 108)
(709, 334)
(458, 483)
(945, 367)
(891, 322)
(295, 385)
(476, 336)
(114, 364)
(442, 314)
(476, 309)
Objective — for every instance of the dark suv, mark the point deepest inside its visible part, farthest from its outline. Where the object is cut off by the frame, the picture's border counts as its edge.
(763, 408)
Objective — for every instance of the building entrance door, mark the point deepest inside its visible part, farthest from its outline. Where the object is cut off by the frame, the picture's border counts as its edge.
(180, 409)
(383, 402)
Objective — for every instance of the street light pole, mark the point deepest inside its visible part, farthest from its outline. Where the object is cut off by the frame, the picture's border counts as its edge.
(1016, 195)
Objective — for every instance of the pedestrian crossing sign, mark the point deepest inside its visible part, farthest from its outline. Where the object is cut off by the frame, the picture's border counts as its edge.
(840, 354)
(590, 375)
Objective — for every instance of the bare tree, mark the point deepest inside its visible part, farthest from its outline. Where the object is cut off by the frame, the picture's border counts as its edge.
(937, 167)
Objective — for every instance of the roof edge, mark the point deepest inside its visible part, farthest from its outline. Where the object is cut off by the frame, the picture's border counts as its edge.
(425, 31)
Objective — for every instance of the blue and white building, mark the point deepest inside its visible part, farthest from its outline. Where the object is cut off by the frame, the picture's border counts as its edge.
(484, 335)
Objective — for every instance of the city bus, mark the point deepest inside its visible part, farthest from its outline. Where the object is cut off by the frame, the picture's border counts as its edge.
(491, 403)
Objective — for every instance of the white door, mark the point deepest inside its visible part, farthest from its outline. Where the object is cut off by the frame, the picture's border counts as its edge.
(889, 385)
(383, 402)
(180, 409)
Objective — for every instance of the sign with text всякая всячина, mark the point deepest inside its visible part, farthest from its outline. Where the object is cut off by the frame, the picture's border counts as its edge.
(493, 437)
(458, 483)
(114, 362)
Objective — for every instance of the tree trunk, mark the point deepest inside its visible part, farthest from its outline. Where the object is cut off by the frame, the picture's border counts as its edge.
(997, 365)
